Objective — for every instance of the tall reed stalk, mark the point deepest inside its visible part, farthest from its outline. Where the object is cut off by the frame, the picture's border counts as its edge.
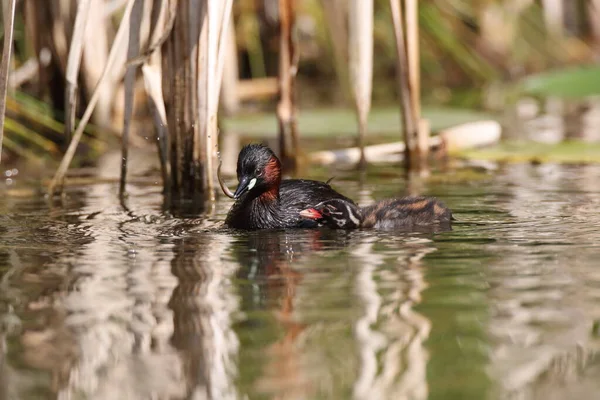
(416, 133)
(133, 49)
(409, 121)
(58, 179)
(288, 67)
(360, 30)
(193, 58)
(420, 151)
(73, 64)
(8, 11)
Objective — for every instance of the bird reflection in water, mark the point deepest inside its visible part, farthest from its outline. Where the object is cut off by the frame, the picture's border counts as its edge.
(271, 265)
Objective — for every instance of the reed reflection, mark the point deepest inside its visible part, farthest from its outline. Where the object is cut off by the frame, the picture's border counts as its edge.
(387, 283)
(390, 334)
(95, 315)
(203, 305)
(545, 299)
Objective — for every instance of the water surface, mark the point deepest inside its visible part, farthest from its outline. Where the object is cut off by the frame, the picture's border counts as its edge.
(101, 299)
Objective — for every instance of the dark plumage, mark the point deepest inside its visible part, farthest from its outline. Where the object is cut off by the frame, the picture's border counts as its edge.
(264, 201)
(404, 213)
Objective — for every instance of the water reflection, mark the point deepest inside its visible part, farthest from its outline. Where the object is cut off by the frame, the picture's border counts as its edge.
(100, 301)
(552, 120)
(398, 343)
(543, 307)
(270, 283)
(203, 305)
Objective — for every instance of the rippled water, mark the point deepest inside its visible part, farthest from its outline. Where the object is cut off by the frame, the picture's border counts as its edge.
(107, 300)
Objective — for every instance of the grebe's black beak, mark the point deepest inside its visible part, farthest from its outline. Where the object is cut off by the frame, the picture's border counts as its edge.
(246, 184)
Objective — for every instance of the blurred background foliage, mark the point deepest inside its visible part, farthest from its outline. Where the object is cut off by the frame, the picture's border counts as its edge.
(475, 54)
(467, 46)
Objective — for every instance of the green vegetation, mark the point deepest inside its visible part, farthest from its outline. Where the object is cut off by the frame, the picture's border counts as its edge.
(575, 82)
(569, 152)
(328, 122)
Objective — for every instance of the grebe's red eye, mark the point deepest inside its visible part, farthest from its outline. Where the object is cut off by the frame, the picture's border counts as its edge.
(326, 211)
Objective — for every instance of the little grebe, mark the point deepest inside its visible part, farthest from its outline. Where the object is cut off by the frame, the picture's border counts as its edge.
(264, 201)
(404, 213)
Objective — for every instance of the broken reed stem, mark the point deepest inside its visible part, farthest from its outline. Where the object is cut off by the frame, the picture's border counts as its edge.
(59, 176)
(288, 65)
(9, 23)
(73, 65)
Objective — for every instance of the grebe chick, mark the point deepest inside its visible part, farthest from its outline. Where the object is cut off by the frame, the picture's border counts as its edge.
(404, 213)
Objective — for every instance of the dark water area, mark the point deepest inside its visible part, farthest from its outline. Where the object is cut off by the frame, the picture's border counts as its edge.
(107, 300)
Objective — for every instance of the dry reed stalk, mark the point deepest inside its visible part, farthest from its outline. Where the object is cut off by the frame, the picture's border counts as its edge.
(229, 86)
(593, 18)
(95, 55)
(211, 53)
(460, 137)
(46, 32)
(156, 102)
(554, 17)
(179, 75)
(25, 73)
(191, 83)
(219, 13)
(135, 24)
(8, 11)
(360, 51)
(288, 66)
(409, 122)
(161, 26)
(336, 17)
(158, 36)
(257, 88)
(73, 63)
(59, 176)
(421, 149)
(206, 56)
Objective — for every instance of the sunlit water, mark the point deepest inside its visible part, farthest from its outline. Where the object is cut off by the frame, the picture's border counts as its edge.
(107, 300)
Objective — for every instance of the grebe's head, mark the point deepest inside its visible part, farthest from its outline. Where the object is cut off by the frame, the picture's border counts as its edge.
(334, 213)
(258, 169)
